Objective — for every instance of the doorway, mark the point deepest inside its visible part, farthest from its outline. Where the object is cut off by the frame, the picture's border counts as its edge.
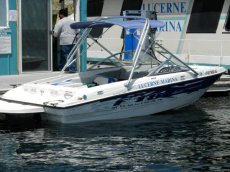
(35, 35)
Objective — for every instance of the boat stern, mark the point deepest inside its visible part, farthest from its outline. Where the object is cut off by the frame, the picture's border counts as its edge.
(7, 107)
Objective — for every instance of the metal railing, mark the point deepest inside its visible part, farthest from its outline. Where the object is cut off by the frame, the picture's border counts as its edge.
(215, 52)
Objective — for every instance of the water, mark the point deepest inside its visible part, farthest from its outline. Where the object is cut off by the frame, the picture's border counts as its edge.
(196, 138)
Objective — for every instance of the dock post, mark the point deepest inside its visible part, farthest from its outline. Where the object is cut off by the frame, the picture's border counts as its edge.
(83, 17)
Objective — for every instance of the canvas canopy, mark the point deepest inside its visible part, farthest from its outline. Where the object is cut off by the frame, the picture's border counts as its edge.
(129, 24)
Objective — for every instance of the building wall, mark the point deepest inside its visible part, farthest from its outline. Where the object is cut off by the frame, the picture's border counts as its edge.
(8, 62)
(196, 31)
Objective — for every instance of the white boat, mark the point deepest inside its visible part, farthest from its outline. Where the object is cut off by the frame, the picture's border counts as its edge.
(153, 80)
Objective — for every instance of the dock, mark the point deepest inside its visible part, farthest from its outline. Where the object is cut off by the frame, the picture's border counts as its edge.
(221, 87)
(8, 82)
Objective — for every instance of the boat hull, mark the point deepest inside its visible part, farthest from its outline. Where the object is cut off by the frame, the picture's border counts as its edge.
(139, 103)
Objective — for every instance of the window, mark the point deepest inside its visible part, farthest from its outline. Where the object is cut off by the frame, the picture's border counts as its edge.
(227, 22)
(205, 16)
(3, 13)
(94, 8)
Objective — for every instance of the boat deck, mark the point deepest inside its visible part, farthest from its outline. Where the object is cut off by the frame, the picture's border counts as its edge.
(11, 81)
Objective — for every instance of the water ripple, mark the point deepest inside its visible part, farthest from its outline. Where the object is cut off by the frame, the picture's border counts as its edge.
(196, 138)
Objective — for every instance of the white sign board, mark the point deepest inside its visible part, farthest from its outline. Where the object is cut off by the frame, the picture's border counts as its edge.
(5, 44)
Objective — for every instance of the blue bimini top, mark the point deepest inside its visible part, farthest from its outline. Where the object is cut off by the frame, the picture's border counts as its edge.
(129, 24)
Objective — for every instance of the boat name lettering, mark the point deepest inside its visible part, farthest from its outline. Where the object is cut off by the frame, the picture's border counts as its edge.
(168, 80)
(158, 82)
(149, 84)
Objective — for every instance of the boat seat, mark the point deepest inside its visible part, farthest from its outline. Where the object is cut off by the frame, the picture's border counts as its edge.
(101, 80)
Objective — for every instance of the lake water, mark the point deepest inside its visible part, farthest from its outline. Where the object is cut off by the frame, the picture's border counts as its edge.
(196, 138)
